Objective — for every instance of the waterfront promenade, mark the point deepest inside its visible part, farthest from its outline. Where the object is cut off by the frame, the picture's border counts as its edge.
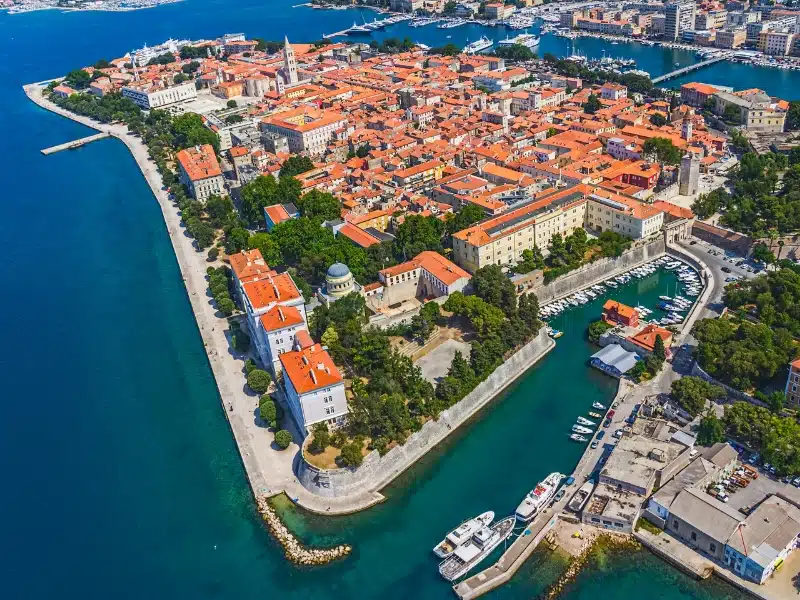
(269, 470)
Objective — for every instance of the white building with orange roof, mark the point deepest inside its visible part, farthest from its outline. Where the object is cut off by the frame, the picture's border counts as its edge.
(314, 387)
(199, 170)
(427, 275)
(248, 266)
(307, 129)
(274, 333)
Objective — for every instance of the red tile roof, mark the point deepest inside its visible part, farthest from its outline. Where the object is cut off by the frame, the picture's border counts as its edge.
(310, 369)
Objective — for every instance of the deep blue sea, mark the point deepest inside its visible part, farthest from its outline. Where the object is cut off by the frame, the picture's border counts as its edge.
(122, 479)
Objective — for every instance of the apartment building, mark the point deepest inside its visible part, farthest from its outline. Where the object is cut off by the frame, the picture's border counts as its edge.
(314, 386)
(775, 43)
(500, 240)
(757, 112)
(418, 176)
(306, 129)
(730, 39)
(679, 17)
(607, 211)
(148, 96)
(199, 170)
(276, 313)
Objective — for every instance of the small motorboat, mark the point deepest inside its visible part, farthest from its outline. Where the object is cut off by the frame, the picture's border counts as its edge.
(598, 406)
(578, 438)
(595, 415)
(587, 422)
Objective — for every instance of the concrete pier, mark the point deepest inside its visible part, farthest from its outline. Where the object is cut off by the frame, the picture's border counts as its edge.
(689, 69)
(74, 144)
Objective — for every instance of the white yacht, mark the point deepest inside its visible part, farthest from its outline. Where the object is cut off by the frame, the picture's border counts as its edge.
(581, 429)
(480, 545)
(598, 406)
(524, 39)
(578, 438)
(539, 496)
(479, 46)
(586, 422)
(462, 534)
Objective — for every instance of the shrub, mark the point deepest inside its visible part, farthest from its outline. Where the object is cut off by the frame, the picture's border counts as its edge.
(213, 254)
(322, 438)
(258, 381)
(351, 454)
(283, 438)
(267, 410)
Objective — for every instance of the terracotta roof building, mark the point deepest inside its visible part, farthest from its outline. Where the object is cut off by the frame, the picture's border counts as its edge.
(199, 170)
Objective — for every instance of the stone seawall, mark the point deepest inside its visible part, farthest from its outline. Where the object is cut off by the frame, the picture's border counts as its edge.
(598, 271)
(378, 471)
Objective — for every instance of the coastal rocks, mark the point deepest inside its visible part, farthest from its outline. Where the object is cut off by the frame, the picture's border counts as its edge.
(600, 541)
(293, 549)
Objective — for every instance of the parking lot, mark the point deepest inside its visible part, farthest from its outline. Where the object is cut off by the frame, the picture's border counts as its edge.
(765, 485)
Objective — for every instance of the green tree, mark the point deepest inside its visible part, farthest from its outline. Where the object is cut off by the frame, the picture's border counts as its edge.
(732, 114)
(321, 439)
(258, 381)
(659, 352)
(793, 116)
(692, 393)
(351, 455)
(295, 165)
(662, 150)
(283, 439)
(711, 430)
(763, 253)
(592, 104)
(267, 410)
(330, 338)
(658, 119)
(78, 79)
(188, 130)
(213, 254)
(320, 205)
(417, 234)
(492, 285)
(255, 195)
(268, 246)
(231, 104)
(598, 328)
(775, 401)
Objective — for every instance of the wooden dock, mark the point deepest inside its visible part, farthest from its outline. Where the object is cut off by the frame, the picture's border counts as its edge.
(74, 144)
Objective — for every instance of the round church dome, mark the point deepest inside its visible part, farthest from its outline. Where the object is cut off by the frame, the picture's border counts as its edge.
(337, 270)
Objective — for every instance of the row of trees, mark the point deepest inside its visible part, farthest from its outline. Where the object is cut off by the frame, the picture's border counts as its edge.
(776, 438)
(773, 298)
(761, 203)
(742, 354)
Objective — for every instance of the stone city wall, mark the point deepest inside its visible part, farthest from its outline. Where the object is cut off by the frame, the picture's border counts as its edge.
(599, 270)
(378, 471)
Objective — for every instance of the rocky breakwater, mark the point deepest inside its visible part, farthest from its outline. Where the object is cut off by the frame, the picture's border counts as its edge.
(293, 549)
(593, 542)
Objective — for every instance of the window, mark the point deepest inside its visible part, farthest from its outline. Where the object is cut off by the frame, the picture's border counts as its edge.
(712, 547)
(329, 410)
(694, 536)
(675, 525)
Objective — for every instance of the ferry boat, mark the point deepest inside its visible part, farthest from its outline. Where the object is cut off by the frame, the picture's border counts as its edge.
(578, 438)
(581, 429)
(480, 545)
(586, 422)
(462, 534)
(357, 29)
(524, 39)
(539, 496)
(581, 496)
(479, 46)
(598, 406)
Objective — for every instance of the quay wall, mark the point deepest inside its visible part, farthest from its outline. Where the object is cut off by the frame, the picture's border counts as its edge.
(378, 471)
(599, 270)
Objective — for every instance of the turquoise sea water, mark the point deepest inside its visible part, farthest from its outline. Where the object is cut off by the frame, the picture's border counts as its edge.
(122, 479)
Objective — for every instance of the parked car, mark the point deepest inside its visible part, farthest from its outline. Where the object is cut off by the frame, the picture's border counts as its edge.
(607, 423)
(618, 433)
(602, 434)
(796, 482)
(611, 414)
(726, 269)
(594, 444)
